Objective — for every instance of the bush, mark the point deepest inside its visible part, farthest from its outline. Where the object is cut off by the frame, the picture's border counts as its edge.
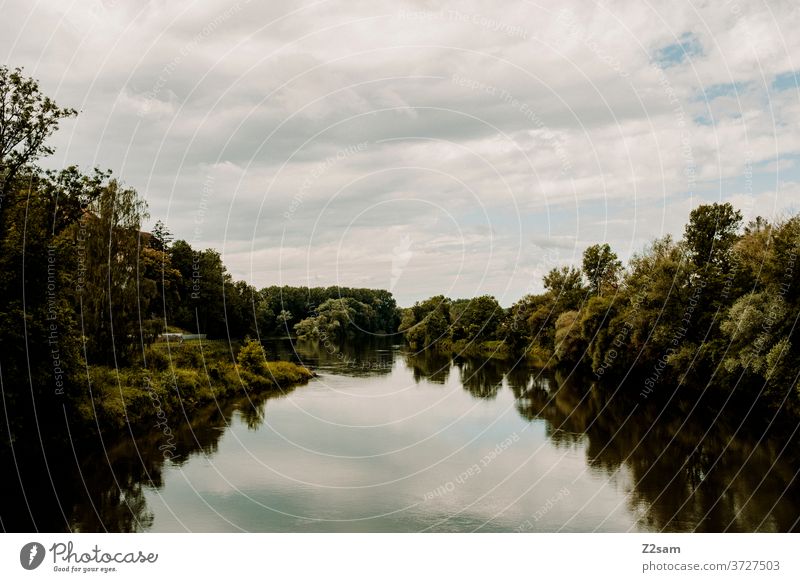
(285, 373)
(156, 358)
(252, 359)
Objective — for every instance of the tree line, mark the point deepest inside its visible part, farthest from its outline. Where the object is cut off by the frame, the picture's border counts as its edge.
(718, 306)
(84, 286)
(195, 292)
(86, 292)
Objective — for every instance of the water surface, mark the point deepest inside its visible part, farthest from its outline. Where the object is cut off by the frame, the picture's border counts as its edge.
(388, 440)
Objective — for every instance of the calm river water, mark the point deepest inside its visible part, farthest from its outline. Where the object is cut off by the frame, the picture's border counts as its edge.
(386, 440)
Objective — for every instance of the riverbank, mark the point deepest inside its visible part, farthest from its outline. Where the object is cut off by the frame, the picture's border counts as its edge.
(172, 381)
(494, 349)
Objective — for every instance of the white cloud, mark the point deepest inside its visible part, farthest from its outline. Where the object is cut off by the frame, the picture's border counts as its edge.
(492, 133)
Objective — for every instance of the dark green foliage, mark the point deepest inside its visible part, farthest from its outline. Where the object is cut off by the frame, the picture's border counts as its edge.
(711, 232)
(180, 380)
(84, 293)
(601, 267)
(462, 326)
(337, 319)
(279, 310)
(27, 119)
(257, 373)
(476, 319)
(718, 308)
(565, 286)
(112, 290)
(426, 321)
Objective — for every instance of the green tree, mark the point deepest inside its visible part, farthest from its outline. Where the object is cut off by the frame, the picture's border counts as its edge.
(657, 290)
(426, 322)
(437, 326)
(210, 279)
(178, 308)
(711, 232)
(240, 301)
(337, 319)
(27, 119)
(203, 284)
(602, 333)
(475, 320)
(112, 296)
(284, 317)
(569, 345)
(252, 359)
(565, 285)
(601, 267)
(162, 237)
(528, 325)
(40, 356)
(754, 324)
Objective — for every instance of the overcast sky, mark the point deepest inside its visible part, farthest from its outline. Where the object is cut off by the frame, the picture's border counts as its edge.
(428, 147)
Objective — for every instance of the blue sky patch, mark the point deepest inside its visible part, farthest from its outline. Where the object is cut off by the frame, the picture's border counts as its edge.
(688, 46)
(784, 81)
(721, 90)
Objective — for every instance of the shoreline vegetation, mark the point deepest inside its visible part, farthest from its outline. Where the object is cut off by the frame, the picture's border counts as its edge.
(716, 309)
(181, 378)
(86, 294)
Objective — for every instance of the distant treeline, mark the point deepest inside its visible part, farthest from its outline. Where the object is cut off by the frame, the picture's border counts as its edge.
(200, 295)
(84, 290)
(719, 306)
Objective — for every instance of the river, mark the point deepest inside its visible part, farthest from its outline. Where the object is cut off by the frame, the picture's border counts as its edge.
(385, 440)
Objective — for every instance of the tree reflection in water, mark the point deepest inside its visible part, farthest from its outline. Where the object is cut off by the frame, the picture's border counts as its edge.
(105, 490)
(690, 467)
(687, 468)
(481, 378)
(429, 365)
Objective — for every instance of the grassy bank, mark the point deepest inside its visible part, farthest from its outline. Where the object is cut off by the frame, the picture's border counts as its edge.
(173, 380)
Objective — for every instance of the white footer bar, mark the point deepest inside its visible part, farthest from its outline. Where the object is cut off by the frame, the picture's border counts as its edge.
(406, 557)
